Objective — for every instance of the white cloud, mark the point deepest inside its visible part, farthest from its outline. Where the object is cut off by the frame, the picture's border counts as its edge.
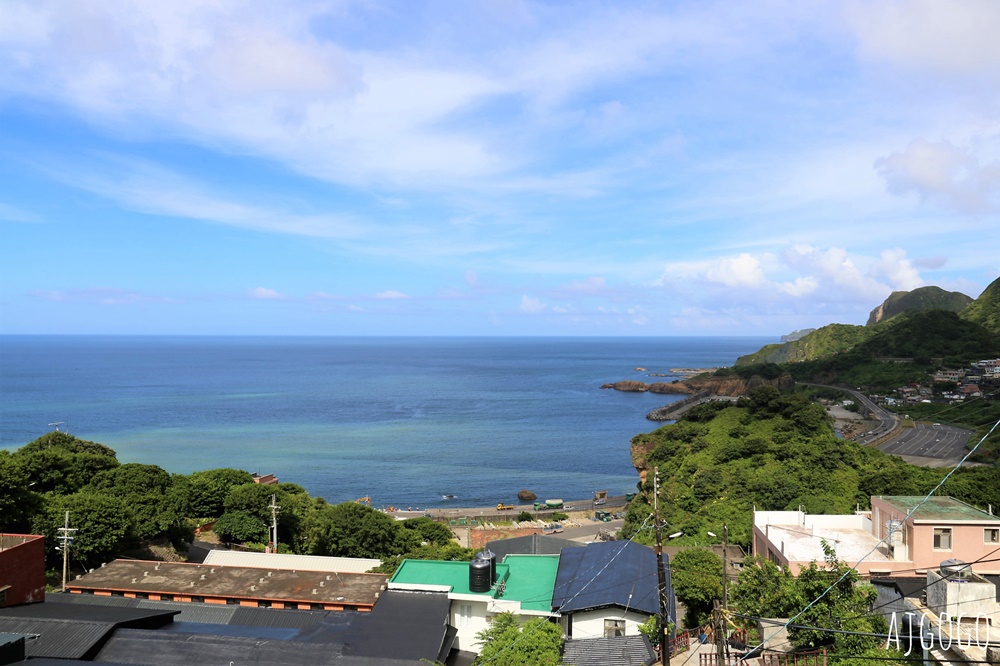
(898, 270)
(591, 285)
(390, 295)
(147, 188)
(99, 296)
(265, 294)
(15, 214)
(958, 36)
(532, 305)
(741, 271)
(942, 173)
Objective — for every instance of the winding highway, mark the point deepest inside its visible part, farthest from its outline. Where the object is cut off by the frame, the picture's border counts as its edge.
(924, 444)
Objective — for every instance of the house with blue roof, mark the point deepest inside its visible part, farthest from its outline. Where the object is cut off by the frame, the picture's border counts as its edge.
(608, 589)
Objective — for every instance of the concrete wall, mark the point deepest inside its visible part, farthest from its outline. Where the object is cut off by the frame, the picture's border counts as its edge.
(968, 598)
(590, 624)
(468, 625)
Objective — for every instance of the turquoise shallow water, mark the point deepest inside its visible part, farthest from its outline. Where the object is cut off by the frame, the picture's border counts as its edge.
(404, 420)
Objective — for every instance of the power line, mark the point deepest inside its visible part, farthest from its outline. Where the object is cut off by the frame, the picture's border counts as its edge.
(881, 541)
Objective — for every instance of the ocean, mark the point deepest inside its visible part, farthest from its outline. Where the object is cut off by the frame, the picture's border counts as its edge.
(402, 420)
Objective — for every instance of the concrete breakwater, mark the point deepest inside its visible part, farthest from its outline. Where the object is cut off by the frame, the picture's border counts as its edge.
(674, 410)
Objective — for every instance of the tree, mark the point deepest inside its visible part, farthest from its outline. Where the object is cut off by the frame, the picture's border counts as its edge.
(836, 599)
(103, 523)
(131, 479)
(845, 605)
(66, 442)
(696, 575)
(240, 527)
(354, 530)
(59, 470)
(764, 590)
(536, 643)
(210, 487)
(18, 503)
(429, 530)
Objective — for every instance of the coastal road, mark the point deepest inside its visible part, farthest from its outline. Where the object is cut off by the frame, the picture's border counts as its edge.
(925, 444)
(929, 445)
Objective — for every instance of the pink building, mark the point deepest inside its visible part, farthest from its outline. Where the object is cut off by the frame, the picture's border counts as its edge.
(885, 540)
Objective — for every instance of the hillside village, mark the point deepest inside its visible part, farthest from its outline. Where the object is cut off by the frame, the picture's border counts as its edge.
(755, 534)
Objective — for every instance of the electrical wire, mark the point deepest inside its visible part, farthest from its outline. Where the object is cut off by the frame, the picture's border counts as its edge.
(522, 635)
(881, 541)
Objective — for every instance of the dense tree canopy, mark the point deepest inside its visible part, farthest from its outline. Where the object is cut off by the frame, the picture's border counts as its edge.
(772, 451)
(825, 596)
(506, 643)
(696, 574)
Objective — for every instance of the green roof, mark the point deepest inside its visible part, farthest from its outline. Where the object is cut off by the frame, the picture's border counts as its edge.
(528, 579)
(937, 508)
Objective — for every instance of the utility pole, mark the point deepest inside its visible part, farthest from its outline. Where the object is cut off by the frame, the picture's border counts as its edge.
(274, 522)
(67, 538)
(725, 567)
(660, 575)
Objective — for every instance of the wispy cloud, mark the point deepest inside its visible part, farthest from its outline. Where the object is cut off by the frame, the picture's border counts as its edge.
(100, 296)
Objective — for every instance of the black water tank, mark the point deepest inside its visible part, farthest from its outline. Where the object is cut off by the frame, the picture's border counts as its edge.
(479, 575)
(490, 557)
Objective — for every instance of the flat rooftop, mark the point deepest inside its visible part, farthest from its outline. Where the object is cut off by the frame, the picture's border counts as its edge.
(802, 544)
(938, 509)
(528, 579)
(203, 580)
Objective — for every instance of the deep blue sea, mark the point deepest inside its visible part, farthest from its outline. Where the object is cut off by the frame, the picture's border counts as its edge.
(403, 420)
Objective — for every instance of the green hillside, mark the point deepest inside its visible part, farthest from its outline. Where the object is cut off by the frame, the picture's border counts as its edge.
(918, 300)
(903, 350)
(771, 451)
(822, 342)
(985, 310)
(942, 338)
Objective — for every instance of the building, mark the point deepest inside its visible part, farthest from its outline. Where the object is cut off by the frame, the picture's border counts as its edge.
(289, 562)
(885, 539)
(522, 585)
(22, 569)
(225, 585)
(608, 589)
(404, 628)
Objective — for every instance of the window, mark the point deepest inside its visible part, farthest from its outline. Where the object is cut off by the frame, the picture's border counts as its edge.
(991, 535)
(942, 538)
(465, 615)
(614, 628)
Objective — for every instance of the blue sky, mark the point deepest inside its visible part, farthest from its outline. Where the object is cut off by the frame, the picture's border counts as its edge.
(491, 167)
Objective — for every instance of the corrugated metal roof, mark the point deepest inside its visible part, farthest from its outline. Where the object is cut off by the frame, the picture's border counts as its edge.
(80, 613)
(610, 573)
(57, 638)
(620, 651)
(192, 612)
(288, 562)
(74, 631)
(89, 599)
(416, 621)
(160, 648)
(270, 617)
(217, 614)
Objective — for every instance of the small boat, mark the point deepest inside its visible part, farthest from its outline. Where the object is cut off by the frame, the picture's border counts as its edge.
(448, 496)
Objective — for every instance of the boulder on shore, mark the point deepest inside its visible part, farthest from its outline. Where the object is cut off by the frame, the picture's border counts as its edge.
(526, 496)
